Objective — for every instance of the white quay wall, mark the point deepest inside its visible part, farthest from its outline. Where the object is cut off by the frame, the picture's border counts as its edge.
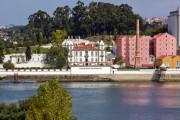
(83, 71)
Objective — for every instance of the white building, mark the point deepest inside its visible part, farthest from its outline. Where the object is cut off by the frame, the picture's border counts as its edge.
(174, 25)
(75, 41)
(15, 58)
(85, 53)
(19, 60)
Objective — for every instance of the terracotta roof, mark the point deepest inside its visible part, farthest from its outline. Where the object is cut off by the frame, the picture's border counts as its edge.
(83, 46)
(175, 56)
(163, 56)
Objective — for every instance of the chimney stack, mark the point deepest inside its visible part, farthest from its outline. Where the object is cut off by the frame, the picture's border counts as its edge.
(137, 52)
(137, 29)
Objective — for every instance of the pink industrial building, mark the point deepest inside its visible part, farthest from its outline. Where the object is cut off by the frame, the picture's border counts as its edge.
(159, 45)
(126, 47)
(163, 44)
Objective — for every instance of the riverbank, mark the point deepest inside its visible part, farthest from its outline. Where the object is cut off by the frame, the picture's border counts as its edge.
(147, 75)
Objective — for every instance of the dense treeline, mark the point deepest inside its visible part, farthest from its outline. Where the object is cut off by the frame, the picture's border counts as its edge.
(97, 18)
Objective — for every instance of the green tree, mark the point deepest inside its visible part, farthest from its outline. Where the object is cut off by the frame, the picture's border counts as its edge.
(39, 20)
(58, 37)
(154, 28)
(62, 18)
(40, 38)
(14, 111)
(119, 61)
(57, 57)
(8, 65)
(52, 102)
(28, 53)
(79, 19)
(1, 51)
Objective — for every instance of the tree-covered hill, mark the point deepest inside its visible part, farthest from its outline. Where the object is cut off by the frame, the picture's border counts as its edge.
(94, 19)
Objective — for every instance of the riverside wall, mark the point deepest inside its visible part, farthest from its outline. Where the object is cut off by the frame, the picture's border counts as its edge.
(114, 76)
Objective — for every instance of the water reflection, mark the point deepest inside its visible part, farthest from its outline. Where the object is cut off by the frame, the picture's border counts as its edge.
(168, 96)
(163, 95)
(111, 101)
(136, 94)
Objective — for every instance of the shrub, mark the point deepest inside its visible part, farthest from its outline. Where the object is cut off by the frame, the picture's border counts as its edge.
(8, 65)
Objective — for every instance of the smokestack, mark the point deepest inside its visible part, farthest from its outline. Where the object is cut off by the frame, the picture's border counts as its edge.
(137, 52)
(137, 29)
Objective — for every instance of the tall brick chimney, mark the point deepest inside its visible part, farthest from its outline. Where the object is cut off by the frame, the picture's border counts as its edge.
(137, 52)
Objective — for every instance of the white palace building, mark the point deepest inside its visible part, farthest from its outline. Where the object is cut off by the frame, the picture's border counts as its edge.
(85, 53)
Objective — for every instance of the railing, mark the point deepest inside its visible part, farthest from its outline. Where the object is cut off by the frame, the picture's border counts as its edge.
(33, 70)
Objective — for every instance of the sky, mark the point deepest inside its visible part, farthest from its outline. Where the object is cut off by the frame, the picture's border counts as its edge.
(17, 11)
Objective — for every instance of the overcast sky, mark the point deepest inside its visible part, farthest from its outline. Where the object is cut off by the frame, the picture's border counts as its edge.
(17, 11)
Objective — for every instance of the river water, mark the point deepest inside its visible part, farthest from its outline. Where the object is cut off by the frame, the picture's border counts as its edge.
(110, 101)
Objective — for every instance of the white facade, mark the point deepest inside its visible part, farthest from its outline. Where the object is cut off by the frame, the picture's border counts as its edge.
(15, 58)
(19, 60)
(73, 41)
(174, 25)
(90, 70)
(85, 53)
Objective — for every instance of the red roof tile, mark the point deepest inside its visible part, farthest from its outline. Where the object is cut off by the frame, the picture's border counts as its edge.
(83, 46)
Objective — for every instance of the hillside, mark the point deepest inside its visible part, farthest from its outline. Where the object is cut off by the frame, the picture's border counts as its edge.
(107, 39)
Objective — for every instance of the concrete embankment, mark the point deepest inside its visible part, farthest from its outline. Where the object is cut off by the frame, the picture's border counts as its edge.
(117, 76)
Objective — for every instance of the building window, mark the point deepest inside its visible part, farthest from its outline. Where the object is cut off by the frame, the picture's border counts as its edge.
(91, 53)
(101, 59)
(91, 59)
(178, 64)
(76, 53)
(96, 53)
(102, 54)
(80, 59)
(80, 53)
(70, 46)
